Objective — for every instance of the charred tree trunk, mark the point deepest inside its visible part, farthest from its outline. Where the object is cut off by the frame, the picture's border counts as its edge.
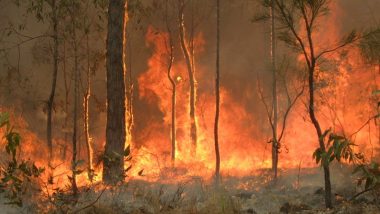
(113, 164)
(50, 101)
(274, 95)
(186, 53)
(86, 100)
(217, 95)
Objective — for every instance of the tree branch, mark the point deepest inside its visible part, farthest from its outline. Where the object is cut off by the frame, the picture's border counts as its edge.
(91, 204)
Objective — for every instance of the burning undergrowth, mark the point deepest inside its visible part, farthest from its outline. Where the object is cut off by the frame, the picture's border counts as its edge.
(158, 181)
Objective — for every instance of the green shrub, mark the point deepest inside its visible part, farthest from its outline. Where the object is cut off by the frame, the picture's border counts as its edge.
(16, 175)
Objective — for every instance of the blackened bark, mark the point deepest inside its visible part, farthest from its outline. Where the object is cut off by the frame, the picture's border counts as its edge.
(113, 165)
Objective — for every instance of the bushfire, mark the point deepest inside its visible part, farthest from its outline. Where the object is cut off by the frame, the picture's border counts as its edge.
(312, 100)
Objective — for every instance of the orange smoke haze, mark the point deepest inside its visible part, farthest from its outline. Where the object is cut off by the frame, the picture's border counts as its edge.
(345, 102)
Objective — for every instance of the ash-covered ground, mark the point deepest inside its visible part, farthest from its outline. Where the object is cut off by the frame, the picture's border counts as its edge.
(295, 191)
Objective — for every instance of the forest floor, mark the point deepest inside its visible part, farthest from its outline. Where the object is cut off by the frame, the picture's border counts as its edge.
(295, 191)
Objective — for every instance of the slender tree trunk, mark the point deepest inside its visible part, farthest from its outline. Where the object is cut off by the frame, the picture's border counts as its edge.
(173, 108)
(50, 102)
(310, 59)
(86, 100)
(378, 110)
(173, 83)
(217, 95)
(113, 165)
(315, 122)
(173, 125)
(192, 34)
(317, 126)
(130, 95)
(67, 93)
(186, 53)
(128, 82)
(274, 94)
(75, 112)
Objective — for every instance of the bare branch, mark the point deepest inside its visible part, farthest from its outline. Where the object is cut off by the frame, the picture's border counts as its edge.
(261, 96)
(290, 24)
(352, 37)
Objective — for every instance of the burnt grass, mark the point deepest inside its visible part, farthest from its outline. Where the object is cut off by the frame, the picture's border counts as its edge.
(295, 191)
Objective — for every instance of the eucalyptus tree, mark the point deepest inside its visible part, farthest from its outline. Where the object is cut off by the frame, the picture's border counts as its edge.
(370, 47)
(49, 11)
(275, 142)
(370, 51)
(113, 161)
(170, 60)
(277, 120)
(291, 14)
(78, 25)
(73, 9)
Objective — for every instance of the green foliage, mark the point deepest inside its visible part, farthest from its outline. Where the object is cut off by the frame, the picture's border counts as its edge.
(337, 148)
(16, 177)
(369, 174)
(370, 46)
(350, 38)
(376, 92)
